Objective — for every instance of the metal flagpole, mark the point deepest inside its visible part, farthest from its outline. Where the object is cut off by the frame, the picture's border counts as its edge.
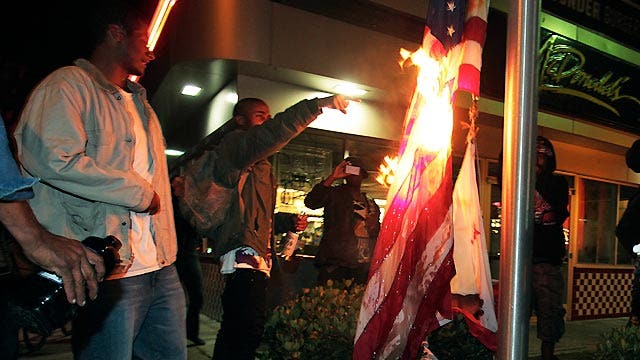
(519, 139)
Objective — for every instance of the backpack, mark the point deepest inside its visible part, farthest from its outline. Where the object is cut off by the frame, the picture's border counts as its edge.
(205, 202)
(206, 198)
(628, 228)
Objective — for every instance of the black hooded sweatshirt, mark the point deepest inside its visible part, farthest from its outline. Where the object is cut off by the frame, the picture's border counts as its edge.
(551, 201)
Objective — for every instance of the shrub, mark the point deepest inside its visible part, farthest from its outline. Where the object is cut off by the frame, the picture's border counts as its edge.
(619, 344)
(319, 324)
(453, 341)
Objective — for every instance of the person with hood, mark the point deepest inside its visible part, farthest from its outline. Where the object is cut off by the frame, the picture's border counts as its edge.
(551, 198)
(351, 224)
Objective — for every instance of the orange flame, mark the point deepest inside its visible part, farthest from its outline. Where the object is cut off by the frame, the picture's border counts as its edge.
(387, 171)
(430, 115)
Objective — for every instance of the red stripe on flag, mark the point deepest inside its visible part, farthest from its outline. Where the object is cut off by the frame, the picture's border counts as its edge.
(475, 29)
(391, 224)
(469, 79)
(374, 336)
(433, 45)
(425, 322)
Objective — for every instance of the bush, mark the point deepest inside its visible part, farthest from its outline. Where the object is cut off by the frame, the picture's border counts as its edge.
(319, 324)
(619, 344)
(453, 341)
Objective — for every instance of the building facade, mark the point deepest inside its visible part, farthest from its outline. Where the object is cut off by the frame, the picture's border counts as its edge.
(286, 50)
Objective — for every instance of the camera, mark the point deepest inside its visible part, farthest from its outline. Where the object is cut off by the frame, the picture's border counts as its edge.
(40, 304)
(352, 170)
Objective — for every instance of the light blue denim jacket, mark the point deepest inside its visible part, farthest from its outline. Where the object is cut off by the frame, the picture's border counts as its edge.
(13, 187)
(75, 136)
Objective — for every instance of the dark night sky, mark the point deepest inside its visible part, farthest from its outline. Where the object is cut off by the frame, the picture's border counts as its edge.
(41, 34)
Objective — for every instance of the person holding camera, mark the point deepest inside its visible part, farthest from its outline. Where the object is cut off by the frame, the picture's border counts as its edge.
(351, 224)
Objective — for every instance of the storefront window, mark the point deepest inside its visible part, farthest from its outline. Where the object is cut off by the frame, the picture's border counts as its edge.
(626, 193)
(601, 204)
(307, 161)
(495, 219)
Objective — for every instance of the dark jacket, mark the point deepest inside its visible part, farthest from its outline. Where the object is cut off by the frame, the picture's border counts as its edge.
(249, 219)
(339, 244)
(548, 239)
(552, 199)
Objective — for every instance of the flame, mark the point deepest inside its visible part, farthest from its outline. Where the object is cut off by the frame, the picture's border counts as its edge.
(387, 171)
(429, 121)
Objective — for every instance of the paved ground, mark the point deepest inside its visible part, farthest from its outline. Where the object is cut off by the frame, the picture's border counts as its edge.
(579, 341)
(580, 338)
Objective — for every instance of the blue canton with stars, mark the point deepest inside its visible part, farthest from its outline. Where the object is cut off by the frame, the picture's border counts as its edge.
(445, 18)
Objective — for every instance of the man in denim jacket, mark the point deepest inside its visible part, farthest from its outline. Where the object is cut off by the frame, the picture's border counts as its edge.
(95, 142)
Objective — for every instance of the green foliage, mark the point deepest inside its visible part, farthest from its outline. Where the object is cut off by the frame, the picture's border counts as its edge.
(453, 341)
(619, 344)
(319, 324)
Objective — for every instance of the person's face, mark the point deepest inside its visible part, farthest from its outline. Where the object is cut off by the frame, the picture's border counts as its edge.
(541, 163)
(177, 187)
(543, 154)
(136, 53)
(256, 115)
(354, 180)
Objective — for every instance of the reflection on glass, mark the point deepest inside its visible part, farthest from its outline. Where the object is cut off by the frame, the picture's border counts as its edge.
(626, 193)
(597, 217)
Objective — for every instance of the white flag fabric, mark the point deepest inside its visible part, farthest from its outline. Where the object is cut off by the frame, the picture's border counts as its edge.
(473, 275)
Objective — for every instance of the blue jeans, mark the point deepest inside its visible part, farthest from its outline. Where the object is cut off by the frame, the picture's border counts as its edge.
(142, 316)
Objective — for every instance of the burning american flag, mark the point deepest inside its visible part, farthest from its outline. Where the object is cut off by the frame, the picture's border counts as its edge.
(412, 264)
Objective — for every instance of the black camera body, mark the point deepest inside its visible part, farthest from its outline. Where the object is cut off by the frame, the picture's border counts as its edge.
(40, 304)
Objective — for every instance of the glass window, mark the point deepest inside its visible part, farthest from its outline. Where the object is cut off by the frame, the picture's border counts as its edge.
(495, 219)
(309, 159)
(597, 218)
(626, 193)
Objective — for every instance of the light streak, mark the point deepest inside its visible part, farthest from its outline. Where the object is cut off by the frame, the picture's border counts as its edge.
(157, 24)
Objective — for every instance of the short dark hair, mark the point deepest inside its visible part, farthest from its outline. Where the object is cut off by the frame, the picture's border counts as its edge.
(103, 13)
(246, 104)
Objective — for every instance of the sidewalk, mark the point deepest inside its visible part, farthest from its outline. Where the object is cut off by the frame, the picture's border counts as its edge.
(580, 338)
(58, 346)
